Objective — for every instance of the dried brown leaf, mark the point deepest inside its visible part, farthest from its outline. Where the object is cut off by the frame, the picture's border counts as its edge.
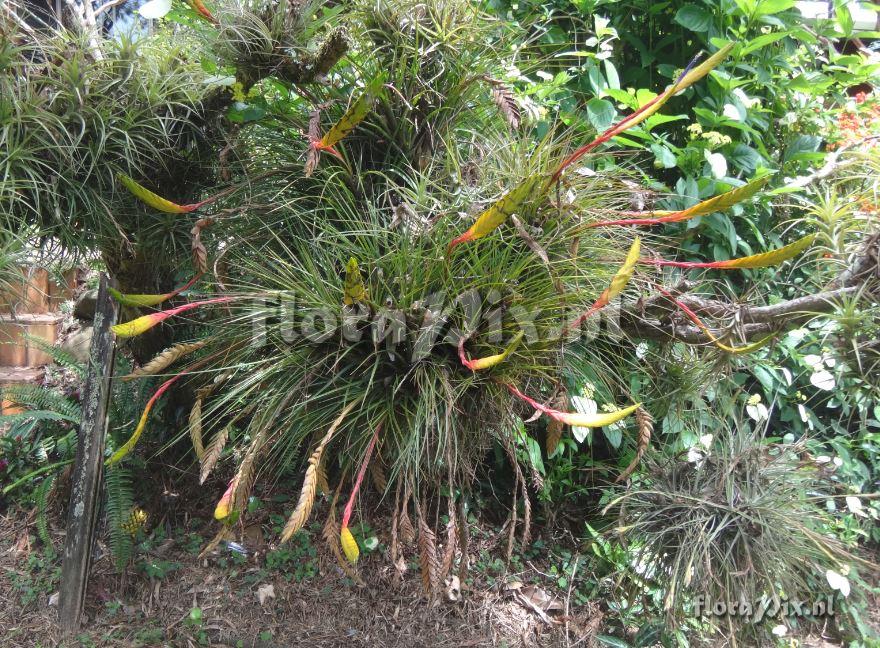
(428, 562)
(200, 254)
(310, 483)
(165, 359)
(451, 543)
(223, 534)
(212, 454)
(377, 475)
(407, 532)
(554, 427)
(645, 423)
(321, 476)
(195, 426)
(506, 103)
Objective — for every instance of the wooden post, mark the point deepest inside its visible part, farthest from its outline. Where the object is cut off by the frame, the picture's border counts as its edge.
(86, 485)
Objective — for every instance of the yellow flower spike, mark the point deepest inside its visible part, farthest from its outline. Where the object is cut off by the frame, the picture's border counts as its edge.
(575, 418)
(762, 260)
(159, 203)
(355, 114)
(151, 199)
(488, 361)
(510, 203)
(618, 283)
(355, 291)
(150, 300)
(135, 522)
(714, 204)
(146, 322)
(771, 258)
(202, 10)
(349, 545)
(702, 69)
(688, 78)
(224, 506)
(746, 348)
(127, 447)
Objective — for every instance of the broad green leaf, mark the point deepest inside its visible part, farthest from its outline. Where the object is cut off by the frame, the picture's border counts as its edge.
(762, 40)
(601, 113)
(766, 7)
(694, 18)
(244, 113)
(663, 157)
(745, 158)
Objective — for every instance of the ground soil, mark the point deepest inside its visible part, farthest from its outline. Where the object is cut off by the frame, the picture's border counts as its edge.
(295, 594)
(313, 602)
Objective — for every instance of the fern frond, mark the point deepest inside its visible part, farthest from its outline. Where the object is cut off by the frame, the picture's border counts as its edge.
(41, 498)
(40, 398)
(119, 502)
(59, 356)
(36, 415)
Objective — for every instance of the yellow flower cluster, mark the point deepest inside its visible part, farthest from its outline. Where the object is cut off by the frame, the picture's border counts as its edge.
(716, 139)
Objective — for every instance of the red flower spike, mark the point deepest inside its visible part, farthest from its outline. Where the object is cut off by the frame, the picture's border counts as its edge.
(346, 514)
(761, 260)
(346, 538)
(142, 423)
(575, 418)
(145, 323)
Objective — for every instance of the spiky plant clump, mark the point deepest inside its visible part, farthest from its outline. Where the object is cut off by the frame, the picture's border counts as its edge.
(421, 279)
(71, 123)
(735, 520)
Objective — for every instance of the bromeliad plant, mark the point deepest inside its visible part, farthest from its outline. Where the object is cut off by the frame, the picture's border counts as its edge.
(359, 328)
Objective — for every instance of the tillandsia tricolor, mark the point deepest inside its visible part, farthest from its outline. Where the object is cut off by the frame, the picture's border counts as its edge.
(618, 283)
(575, 418)
(746, 348)
(762, 260)
(142, 423)
(714, 204)
(488, 361)
(537, 186)
(354, 290)
(224, 505)
(127, 447)
(152, 300)
(146, 322)
(202, 10)
(346, 538)
(158, 202)
(356, 113)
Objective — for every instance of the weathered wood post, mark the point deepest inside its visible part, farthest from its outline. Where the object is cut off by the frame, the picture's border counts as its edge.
(86, 486)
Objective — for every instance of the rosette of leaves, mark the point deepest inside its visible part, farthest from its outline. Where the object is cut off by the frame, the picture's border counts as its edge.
(424, 279)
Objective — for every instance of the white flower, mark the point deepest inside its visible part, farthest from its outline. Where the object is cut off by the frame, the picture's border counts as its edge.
(780, 630)
(583, 406)
(854, 504)
(838, 582)
(758, 412)
(822, 380)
